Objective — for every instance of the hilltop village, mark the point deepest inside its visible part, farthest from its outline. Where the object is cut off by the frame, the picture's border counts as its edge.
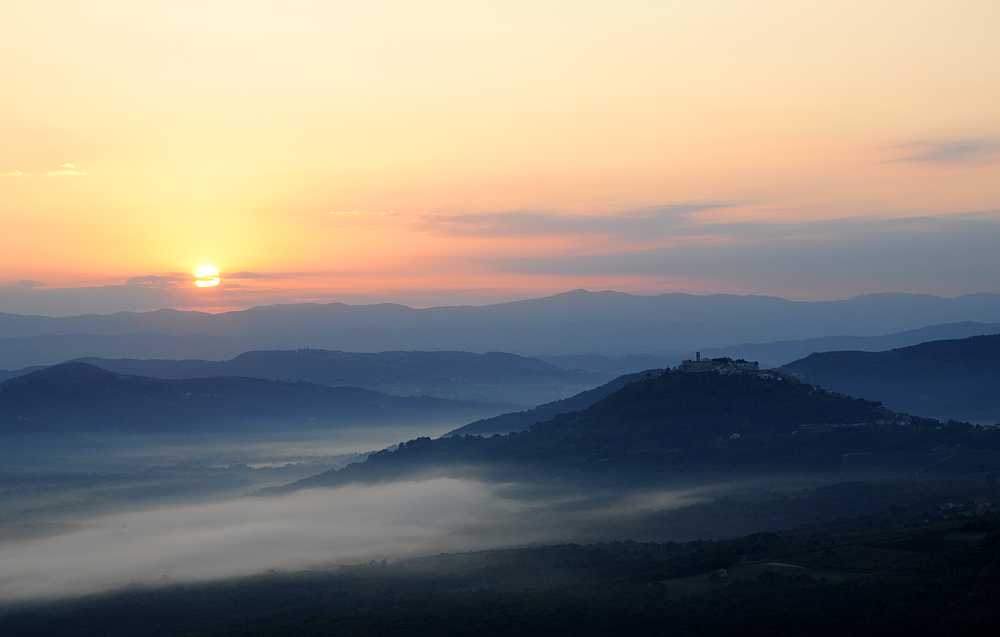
(727, 366)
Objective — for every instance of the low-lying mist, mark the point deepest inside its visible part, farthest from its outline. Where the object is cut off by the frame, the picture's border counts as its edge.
(99, 452)
(324, 527)
(306, 529)
(44, 488)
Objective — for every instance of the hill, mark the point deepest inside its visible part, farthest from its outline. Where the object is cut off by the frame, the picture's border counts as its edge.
(81, 398)
(7, 374)
(676, 424)
(577, 322)
(949, 379)
(524, 420)
(492, 377)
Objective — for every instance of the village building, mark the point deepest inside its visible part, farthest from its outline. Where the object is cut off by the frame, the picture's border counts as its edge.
(723, 365)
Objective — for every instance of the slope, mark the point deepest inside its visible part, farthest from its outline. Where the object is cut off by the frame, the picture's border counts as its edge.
(523, 420)
(677, 424)
(949, 379)
(81, 398)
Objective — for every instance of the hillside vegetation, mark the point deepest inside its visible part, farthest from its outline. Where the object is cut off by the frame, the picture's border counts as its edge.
(676, 424)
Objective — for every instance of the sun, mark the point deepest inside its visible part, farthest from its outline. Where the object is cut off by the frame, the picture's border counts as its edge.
(208, 276)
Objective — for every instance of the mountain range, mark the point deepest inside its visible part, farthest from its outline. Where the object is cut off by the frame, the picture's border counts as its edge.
(577, 322)
(776, 353)
(491, 377)
(76, 398)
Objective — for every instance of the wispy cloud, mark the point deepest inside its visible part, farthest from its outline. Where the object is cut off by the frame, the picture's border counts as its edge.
(66, 170)
(25, 284)
(951, 152)
(359, 213)
(949, 255)
(639, 224)
(169, 279)
(245, 275)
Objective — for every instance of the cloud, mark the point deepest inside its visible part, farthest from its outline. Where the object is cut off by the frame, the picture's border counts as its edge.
(66, 170)
(170, 279)
(640, 224)
(240, 290)
(244, 275)
(359, 213)
(161, 280)
(948, 255)
(636, 225)
(953, 152)
(25, 284)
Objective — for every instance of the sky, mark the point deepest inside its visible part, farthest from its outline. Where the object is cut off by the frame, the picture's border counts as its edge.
(451, 152)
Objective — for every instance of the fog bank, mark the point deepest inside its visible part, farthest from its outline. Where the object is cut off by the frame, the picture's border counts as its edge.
(251, 535)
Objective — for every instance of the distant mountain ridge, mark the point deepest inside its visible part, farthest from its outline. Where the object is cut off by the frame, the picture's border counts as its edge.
(783, 352)
(577, 322)
(76, 398)
(491, 377)
(6, 374)
(777, 353)
(945, 379)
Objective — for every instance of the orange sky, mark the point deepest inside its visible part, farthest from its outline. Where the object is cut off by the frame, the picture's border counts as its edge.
(412, 151)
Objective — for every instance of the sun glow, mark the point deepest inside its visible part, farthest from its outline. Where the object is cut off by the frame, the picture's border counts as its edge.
(208, 276)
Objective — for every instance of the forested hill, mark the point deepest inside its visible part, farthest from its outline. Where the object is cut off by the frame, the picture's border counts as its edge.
(678, 422)
(81, 398)
(941, 379)
(523, 420)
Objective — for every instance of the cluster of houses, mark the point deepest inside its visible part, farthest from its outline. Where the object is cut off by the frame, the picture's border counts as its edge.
(728, 366)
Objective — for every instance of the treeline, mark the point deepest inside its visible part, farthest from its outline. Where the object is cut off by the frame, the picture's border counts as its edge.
(771, 605)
